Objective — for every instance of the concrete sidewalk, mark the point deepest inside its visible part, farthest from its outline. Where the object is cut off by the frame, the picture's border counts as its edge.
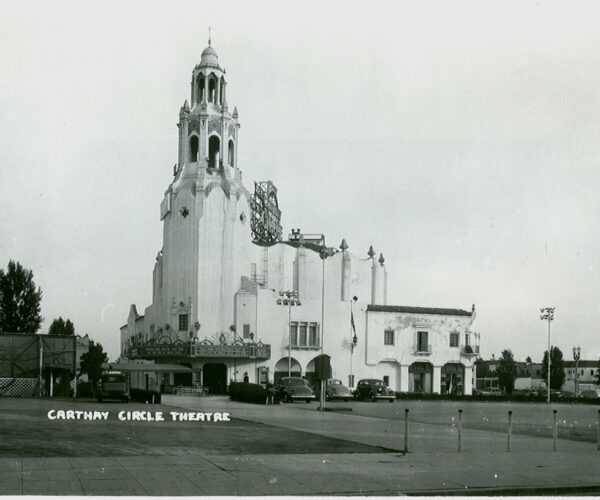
(302, 474)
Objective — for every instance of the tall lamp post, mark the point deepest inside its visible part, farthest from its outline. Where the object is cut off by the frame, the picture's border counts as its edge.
(353, 337)
(324, 253)
(576, 357)
(289, 299)
(547, 314)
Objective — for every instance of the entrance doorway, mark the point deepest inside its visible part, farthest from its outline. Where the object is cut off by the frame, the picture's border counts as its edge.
(282, 369)
(215, 378)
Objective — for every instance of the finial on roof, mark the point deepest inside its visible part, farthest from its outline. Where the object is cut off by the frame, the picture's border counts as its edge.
(344, 245)
(235, 113)
(209, 36)
(381, 259)
(371, 252)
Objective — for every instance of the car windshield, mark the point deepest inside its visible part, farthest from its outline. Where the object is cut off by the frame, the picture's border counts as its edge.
(113, 378)
(294, 381)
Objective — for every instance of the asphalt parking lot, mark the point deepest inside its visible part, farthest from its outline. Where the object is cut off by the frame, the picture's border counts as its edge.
(27, 431)
(577, 422)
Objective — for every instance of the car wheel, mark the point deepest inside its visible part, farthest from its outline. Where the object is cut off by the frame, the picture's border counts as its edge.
(391, 400)
(373, 399)
(345, 400)
(308, 400)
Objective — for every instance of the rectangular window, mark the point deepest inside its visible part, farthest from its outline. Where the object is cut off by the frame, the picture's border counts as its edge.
(388, 337)
(312, 335)
(183, 322)
(386, 380)
(303, 334)
(246, 330)
(454, 339)
(422, 341)
(294, 333)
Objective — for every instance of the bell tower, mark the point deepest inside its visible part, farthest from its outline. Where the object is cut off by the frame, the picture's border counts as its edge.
(205, 212)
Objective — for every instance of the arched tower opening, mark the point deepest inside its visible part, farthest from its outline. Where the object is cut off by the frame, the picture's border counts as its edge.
(212, 89)
(231, 153)
(214, 148)
(200, 87)
(194, 148)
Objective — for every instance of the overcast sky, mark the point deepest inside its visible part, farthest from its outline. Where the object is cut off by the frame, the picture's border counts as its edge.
(460, 139)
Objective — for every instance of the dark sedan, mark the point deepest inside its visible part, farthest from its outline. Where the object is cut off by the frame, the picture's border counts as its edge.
(291, 389)
(373, 389)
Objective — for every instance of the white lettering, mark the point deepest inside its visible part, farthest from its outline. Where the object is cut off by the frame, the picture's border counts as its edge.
(51, 415)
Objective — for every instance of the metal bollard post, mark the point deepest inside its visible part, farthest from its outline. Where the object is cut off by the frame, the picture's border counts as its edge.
(509, 430)
(598, 432)
(554, 431)
(405, 430)
(459, 430)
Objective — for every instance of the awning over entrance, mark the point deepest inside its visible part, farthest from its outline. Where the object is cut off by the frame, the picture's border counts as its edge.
(147, 367)
(453, 368)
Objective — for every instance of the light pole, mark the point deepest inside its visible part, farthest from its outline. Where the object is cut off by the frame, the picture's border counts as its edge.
(547, 314)
(324, 253)
(290, 298)
(353, 337)
(576, 357)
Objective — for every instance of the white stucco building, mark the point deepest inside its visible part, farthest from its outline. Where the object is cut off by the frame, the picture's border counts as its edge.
(216, 303)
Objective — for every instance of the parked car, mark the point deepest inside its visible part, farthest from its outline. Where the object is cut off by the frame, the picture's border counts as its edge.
(113, 385)
(291, 389)
(337, 390)
(491, 391)
(373, 389)
(591, 393)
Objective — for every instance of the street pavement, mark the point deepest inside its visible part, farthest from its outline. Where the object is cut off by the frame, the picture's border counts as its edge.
(432, 466)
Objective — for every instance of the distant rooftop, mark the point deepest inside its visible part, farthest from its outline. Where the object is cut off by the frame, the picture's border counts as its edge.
(419, 310)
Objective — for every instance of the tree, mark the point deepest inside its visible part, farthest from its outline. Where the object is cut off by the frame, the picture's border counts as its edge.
(507, 371)
(557, 368)
(20, 301)
(91, 362)
(61, 327)
(481, 368)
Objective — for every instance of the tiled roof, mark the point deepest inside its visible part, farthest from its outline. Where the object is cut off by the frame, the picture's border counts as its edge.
(583, 363)
(418, 310)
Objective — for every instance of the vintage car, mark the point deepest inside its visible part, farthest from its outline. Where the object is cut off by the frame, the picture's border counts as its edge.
(113, 385)
(590, 393)
(291, 389)
(337, 390)
(373, 389)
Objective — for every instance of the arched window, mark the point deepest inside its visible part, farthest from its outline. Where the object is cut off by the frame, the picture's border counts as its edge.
(200, 96)
(194, 148)
(221, 85)
(231, 153)
(212, 90)
(214, 148)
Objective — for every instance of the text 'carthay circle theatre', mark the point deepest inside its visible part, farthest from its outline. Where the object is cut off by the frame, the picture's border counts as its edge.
(223, 306)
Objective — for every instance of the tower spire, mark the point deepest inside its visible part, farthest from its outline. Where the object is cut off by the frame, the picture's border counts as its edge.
(209, 36)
